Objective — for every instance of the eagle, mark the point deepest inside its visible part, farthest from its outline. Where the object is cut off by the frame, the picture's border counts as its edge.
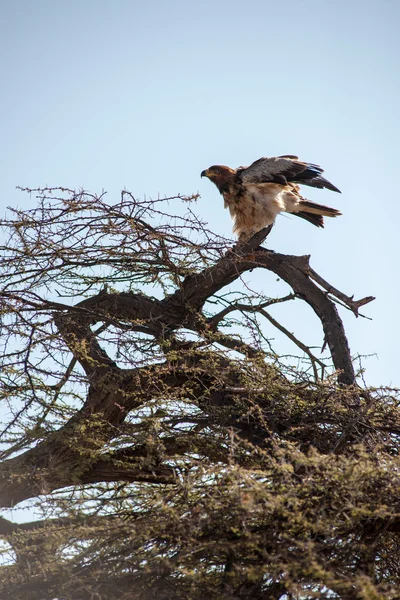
(255, 195)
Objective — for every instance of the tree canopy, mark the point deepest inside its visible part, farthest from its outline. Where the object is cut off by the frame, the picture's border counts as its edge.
(168, 450)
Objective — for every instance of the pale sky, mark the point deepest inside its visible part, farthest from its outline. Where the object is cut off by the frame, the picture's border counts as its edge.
(121, 94)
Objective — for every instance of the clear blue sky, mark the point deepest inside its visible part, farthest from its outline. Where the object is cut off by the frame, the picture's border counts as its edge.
(122, 94)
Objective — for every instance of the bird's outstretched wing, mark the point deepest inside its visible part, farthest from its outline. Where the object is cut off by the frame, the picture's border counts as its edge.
(284, 169)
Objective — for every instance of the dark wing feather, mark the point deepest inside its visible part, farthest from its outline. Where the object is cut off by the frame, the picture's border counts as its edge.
(271, 170)
(283, 170)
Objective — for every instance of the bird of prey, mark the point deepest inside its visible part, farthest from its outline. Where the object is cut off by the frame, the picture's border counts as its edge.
(255, 195)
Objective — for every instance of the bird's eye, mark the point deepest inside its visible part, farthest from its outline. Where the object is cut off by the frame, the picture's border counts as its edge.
(216, 170)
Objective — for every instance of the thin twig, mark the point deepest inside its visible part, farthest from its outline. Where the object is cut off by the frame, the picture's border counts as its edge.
(296, 341)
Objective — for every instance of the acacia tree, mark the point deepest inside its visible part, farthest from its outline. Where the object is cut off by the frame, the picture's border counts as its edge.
(168, 451)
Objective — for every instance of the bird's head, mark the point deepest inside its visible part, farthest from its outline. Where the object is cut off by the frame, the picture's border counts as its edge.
(217, 172)
(220, 175)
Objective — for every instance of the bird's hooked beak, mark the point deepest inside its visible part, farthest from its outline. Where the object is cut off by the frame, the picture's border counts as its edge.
(204, 173)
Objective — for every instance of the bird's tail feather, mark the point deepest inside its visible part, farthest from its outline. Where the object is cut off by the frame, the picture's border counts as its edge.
(318, 209)
(314, 213)
(317, 220)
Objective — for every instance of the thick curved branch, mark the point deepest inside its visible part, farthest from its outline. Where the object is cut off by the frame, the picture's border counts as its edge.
(68, 455)
(294, 270)
(196, 289)
(83, 344)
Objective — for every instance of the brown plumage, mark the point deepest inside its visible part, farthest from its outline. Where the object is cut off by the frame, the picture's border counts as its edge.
(255, 195)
